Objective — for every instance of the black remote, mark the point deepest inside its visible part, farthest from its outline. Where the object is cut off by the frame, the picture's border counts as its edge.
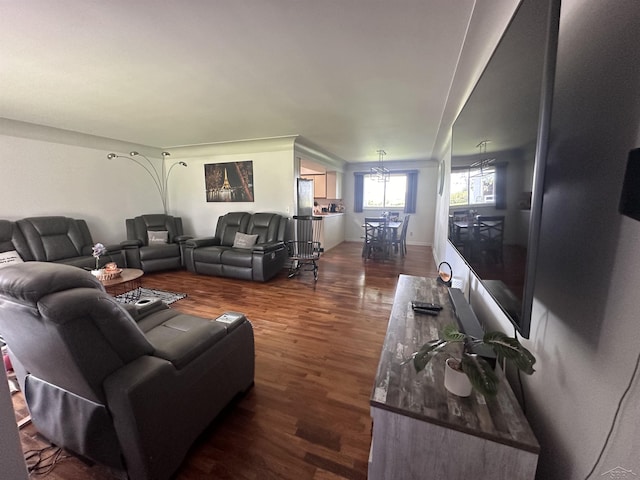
(426, 306)
(426, 311)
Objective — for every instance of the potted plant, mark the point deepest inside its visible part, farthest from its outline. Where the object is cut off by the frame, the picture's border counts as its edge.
(478, 371)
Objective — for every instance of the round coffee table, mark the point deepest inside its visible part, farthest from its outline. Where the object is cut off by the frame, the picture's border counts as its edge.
(129, 279)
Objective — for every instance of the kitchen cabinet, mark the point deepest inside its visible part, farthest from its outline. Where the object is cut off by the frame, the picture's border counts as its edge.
(326, 185)
(319, 185)
(334, 185)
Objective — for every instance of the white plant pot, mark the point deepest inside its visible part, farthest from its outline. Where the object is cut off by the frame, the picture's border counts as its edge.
(456, 381)
(97, 273)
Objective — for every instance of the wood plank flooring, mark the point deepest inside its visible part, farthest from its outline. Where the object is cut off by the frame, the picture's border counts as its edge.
(317, 350)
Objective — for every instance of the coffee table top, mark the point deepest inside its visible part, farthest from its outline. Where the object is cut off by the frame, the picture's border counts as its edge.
(127, 275)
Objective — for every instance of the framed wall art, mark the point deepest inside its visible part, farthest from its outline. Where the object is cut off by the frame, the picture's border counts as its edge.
(229, 182)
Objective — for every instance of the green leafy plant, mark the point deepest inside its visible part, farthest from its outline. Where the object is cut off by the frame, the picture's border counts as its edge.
(481, 375)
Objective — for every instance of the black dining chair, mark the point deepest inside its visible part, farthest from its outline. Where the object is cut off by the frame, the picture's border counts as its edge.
(399, 242)
(488, 237)
(376, 239)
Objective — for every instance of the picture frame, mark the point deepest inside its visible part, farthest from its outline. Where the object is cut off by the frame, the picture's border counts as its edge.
(229, 181)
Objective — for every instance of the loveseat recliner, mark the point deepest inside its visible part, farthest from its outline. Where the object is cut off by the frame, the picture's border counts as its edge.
(61, 240)
(154, 242)
(12, 240)
(130, 388)
(245, 246)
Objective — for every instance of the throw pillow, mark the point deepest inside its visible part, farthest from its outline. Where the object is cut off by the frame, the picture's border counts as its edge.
(158, 236)
(243, 240)
(9, 258)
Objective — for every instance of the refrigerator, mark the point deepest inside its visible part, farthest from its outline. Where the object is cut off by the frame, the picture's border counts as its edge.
(305, 197)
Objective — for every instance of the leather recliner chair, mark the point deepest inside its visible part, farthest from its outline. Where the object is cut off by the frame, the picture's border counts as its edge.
(154, 242)
(130, 388)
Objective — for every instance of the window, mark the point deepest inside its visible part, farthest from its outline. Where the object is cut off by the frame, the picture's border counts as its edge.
(391, 194)
(473, 186)
(400, 192)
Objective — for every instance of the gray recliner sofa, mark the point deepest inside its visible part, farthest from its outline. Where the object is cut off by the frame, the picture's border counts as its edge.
(128, 388)
(57, 239)
(262, 258)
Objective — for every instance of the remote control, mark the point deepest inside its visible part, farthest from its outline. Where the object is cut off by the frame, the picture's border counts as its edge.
(426, 305)
(425, 311)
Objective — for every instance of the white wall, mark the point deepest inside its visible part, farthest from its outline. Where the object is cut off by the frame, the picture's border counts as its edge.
(43, 177)
(421, 223)
(273, 176)
(585, 325)
(54, 172)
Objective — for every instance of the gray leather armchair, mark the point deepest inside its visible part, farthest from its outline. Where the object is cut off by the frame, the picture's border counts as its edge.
(128, 388)
(154, 242)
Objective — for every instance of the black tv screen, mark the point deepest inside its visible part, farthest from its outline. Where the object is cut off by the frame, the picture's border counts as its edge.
(499, 141)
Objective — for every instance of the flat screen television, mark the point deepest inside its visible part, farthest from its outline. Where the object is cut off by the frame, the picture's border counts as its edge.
(499, 141)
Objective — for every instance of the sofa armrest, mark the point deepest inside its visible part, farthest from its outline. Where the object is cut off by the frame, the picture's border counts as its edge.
(267, 247)
(202, 242)
(183, 338)
(131, 244)
(181, 238)
(112, 248)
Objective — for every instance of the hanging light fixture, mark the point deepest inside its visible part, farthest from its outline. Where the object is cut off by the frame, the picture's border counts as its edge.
(379, 171)
(483, 162)
(160, 178)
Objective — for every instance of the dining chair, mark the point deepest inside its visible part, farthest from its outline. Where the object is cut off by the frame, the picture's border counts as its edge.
(376, 239)
(403, 235)
(488, 237)
(399, 242)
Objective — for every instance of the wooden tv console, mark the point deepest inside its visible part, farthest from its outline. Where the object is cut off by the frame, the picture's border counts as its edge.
(420, 430)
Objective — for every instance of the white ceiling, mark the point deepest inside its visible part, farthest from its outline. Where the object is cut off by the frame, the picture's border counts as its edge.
(352, 76)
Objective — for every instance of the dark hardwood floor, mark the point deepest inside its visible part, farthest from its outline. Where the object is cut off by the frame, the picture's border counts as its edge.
(317, 350)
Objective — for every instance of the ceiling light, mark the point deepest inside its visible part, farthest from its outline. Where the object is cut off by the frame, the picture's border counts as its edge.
(381, 173)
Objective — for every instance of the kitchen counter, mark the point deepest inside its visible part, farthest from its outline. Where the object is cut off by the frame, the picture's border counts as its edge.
(332, 233)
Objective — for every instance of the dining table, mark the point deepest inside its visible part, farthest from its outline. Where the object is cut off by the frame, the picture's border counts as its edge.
(392, 227)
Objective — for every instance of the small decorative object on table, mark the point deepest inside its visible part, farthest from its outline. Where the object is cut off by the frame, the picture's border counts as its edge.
(98, 250)
(445, 277)
(109, 272)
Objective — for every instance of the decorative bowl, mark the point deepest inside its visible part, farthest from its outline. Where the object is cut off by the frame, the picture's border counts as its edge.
(107, 274)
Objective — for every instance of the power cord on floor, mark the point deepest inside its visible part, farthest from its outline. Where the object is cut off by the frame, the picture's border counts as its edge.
(615, 416)
(45, 460)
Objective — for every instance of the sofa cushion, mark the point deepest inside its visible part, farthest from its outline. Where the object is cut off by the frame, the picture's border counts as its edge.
(266, 226)
(229, 224)
(243, 240)
(158, 237)
(9, 258)
(56, 238)
(159, 251)
(237, 257)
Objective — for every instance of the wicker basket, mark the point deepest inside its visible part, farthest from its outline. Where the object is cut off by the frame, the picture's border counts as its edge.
(104, 275)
